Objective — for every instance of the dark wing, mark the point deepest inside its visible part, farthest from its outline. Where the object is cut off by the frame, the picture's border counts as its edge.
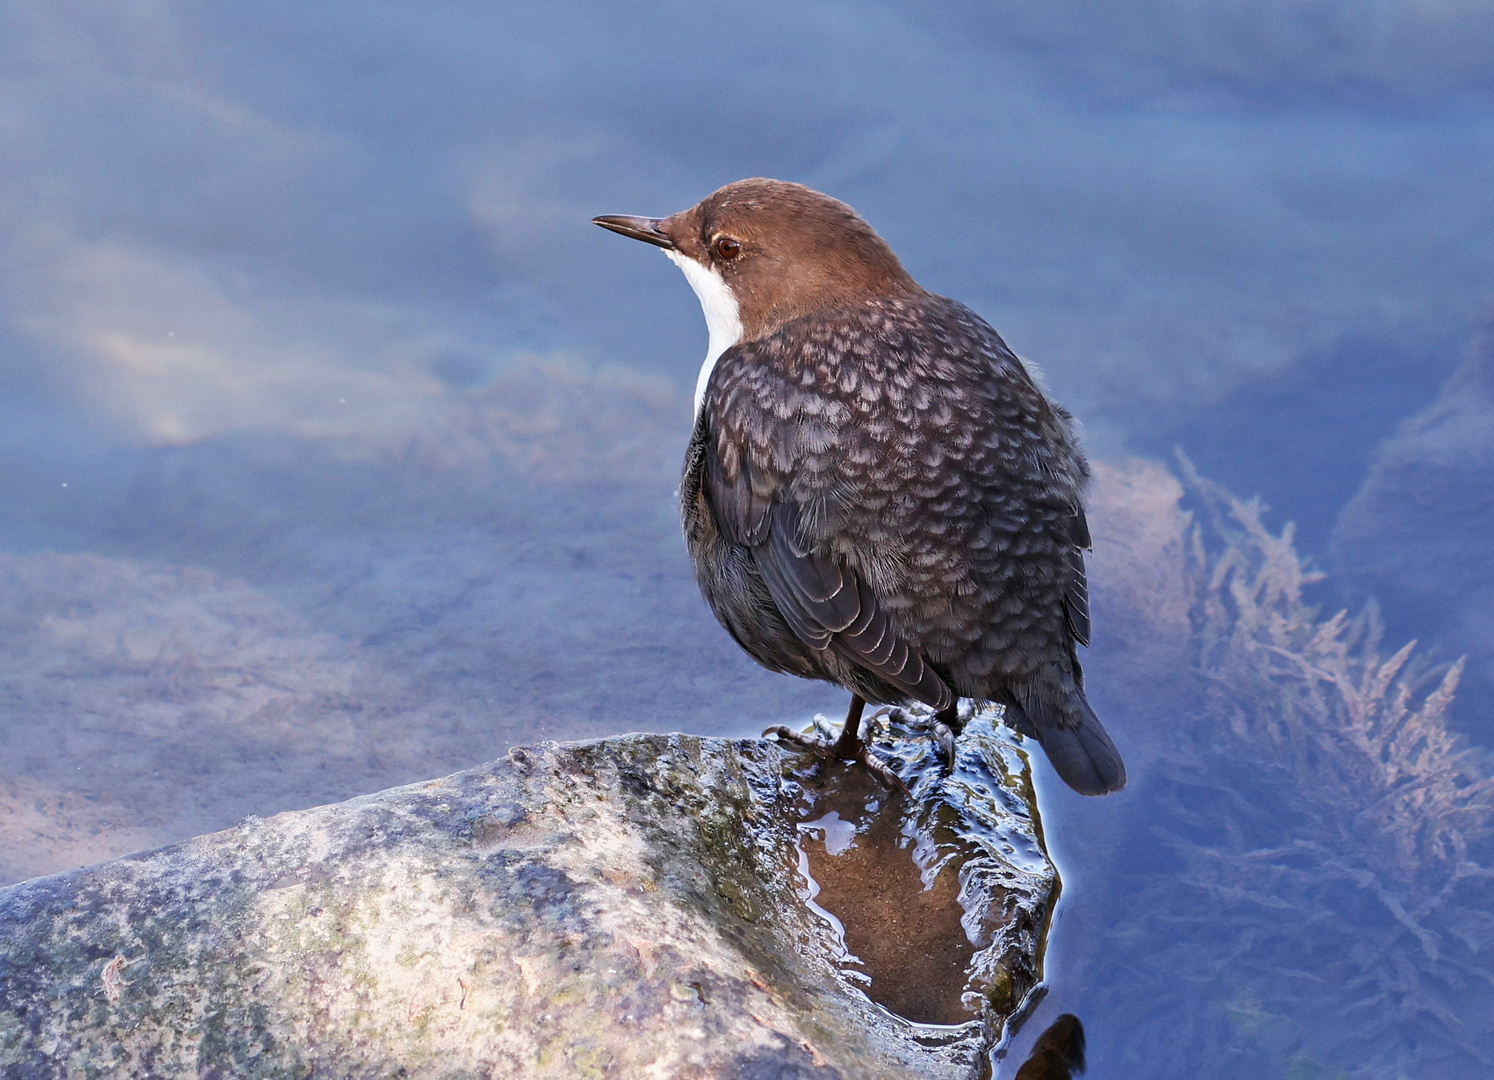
(1076, 589)
(824, 602)
(1076, 592)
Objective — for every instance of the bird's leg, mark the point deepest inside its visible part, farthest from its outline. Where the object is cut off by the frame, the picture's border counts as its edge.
(849, 747)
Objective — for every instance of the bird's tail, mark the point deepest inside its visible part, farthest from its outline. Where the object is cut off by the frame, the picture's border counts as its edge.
(1052, 708)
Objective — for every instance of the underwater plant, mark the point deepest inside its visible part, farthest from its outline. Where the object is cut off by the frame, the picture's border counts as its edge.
(1303, 879)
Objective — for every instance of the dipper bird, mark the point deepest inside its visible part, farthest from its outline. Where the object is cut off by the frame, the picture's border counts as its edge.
(876, 492)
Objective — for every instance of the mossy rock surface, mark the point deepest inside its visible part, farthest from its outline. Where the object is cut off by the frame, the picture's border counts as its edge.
(626, 907)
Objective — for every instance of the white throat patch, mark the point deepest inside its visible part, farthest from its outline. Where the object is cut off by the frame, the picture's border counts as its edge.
(723, 317)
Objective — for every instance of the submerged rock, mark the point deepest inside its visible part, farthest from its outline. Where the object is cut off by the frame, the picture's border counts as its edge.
(639, 906)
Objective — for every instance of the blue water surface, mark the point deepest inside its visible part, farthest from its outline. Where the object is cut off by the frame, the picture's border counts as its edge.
(338, 449)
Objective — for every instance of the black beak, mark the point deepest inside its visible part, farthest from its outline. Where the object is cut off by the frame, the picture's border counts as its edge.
(639, 228)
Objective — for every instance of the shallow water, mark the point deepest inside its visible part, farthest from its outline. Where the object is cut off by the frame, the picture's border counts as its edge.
(920, 888)
(902, 934)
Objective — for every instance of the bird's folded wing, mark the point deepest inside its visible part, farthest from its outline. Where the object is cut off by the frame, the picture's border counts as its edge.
(739, 499)
(828, 606)
(1076, 590)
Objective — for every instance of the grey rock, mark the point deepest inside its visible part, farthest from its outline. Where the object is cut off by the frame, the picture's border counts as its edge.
(628, 907)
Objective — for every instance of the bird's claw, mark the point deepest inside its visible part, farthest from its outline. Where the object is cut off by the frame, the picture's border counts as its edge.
(858, 752)
(946, 740)
(881, 770)
(937, 728)
(813, 743)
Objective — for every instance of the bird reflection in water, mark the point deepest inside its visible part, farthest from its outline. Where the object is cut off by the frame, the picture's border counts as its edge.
(1058, 1052)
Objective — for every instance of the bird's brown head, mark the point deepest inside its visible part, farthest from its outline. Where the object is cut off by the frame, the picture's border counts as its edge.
(760, 253)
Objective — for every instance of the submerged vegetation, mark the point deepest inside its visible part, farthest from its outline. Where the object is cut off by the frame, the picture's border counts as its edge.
(1317, 901)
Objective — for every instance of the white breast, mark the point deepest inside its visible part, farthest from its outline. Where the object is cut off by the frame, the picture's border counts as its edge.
(723, 317)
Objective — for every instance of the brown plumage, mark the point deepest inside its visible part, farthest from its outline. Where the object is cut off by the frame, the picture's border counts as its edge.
(876, 492)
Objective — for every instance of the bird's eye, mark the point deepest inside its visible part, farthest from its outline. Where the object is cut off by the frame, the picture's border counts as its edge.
(727, 248)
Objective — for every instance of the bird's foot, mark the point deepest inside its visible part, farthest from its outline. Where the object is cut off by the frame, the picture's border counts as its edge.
(853, 749)
(945, 737)
(942, 727)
